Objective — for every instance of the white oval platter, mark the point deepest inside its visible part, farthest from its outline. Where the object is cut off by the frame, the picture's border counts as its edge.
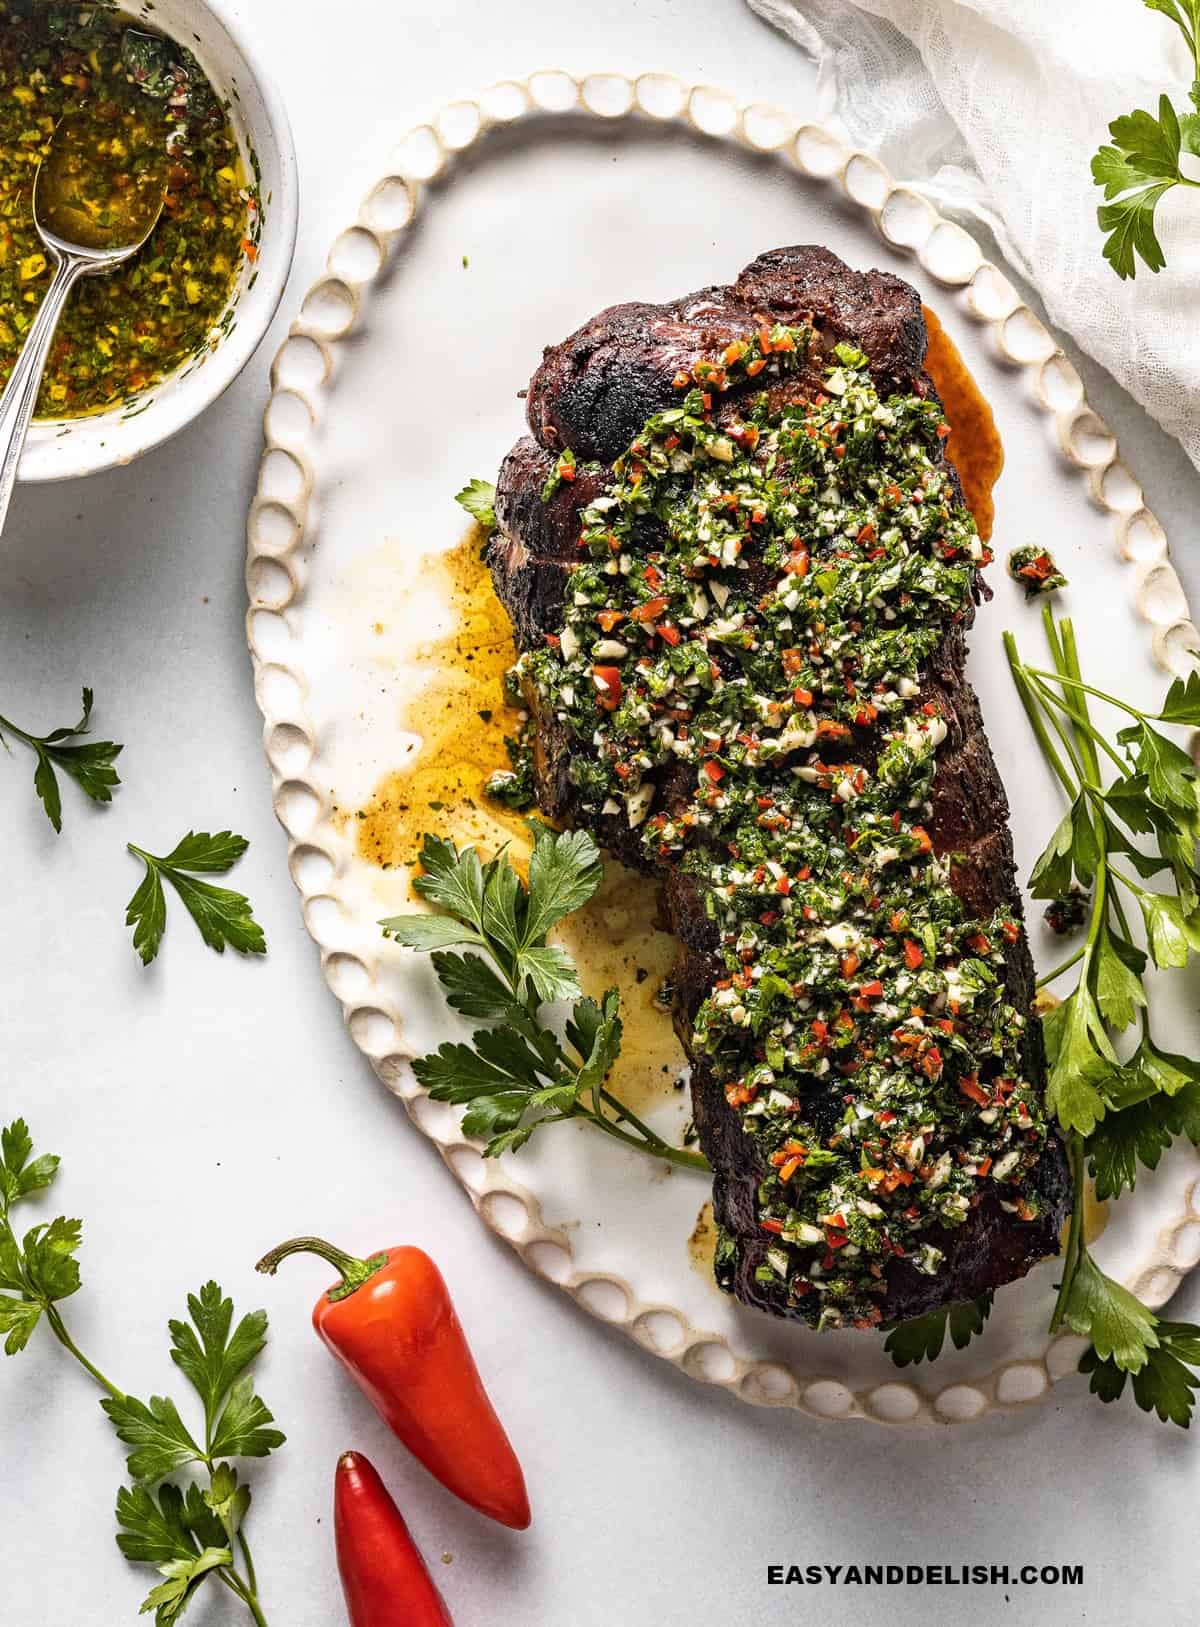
(497, 229)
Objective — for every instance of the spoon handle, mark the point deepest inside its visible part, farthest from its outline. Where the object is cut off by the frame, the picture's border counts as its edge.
(20, 396)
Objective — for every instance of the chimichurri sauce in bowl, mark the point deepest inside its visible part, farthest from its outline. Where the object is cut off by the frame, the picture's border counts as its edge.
(144, 99)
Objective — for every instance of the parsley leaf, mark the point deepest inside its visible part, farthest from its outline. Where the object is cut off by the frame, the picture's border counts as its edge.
(518, 1076)
(51, 1269)
(18, 1318)
(161, 1439)
(922, 1337)
(88, 762)
(1182, 704)
(1161, 1101)
(1172, 930)
(223, 917)
(20, 1172)
(1137, 1135)
(1119, 1115)
(243, 1429)
(454, 881)
(487, 906)
(1137, 169)
(1170, 772)
(187, 1532)
(1116, 966)
(1142, 163)
(41, 1268)
(551, 971)
(1165, 1384)
(1082, 1065)
(170, 1599)
(1119, 1325)
(564, 872)
(205, 1350)
(472, 987)
(154, 1530)
(478, 497)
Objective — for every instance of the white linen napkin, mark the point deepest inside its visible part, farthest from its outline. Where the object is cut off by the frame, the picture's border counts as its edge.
(993, 108)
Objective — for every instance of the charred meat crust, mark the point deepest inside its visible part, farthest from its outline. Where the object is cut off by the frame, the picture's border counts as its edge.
(592, 394)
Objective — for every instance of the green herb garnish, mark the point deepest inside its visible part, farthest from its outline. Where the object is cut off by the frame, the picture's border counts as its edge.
(1142, 163)
(188, 1532)
(223, 917)
(1117, 1113)
(478, 497)
(518, 1076)
(921, 1338)
(88, 762)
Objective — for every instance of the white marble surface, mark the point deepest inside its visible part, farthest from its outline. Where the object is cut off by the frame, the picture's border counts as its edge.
(208, 1107)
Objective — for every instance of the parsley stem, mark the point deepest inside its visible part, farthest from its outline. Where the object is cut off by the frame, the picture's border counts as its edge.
(234, 1583)
(663, 1149)
(1083, 725)
(1034, 713)
(250, 1576)
(59, 1329)
(15, 729)
(1074, 1248)
(1069, 745)
(1059, 970)
(1090, 689)
(631, 1118)
(656, 1148)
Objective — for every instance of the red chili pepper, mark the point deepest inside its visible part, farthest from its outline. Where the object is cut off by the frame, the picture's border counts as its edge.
(383, 1575)
(391, 1324)
(607, 681)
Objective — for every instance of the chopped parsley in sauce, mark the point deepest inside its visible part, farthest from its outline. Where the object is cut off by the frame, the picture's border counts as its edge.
(132, 89)
(747, 628)
(1036, 571)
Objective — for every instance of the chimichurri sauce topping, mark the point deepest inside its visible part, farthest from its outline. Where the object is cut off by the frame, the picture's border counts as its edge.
(1036, 570)
(752, 609)
(135, 94)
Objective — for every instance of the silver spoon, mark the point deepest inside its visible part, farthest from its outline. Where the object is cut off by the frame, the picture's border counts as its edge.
(88, 229)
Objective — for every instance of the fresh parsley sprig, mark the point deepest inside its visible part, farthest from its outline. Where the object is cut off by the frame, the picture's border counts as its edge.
(1143, 161)
(1117, 1112)
(188, 1533)
(68, 750)
(921, 1338)
(223, 916)
(517, 1076)
(478, 497)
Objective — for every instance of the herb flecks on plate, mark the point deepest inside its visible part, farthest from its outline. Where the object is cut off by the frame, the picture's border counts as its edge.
(490, 953)
(222, 916)
(188, 1532)
(68, 750)
(1144, 160)
(1138, 820)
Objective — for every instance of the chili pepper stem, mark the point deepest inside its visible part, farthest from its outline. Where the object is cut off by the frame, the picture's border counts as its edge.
(353, 1272)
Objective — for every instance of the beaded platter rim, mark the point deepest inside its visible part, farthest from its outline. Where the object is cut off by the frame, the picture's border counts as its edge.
(277, 573)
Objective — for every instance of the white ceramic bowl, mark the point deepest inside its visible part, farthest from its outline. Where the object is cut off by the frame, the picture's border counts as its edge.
(212, 30)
